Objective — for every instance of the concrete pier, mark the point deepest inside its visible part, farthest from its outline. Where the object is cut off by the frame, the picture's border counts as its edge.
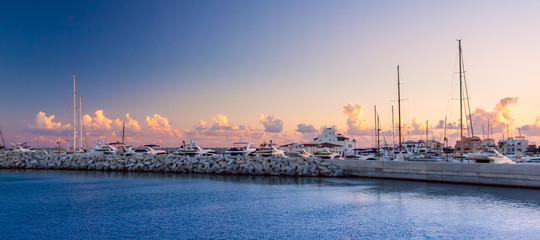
(514, 175)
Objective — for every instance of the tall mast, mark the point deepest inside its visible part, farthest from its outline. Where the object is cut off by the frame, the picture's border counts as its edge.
(2, 136)
(80, 120)
(74, 113)
(393, 129)
(378, 138)
(123, 130)
(399, 107)
(377, 130)
(445, 140)
(427, 132)
(460, 100)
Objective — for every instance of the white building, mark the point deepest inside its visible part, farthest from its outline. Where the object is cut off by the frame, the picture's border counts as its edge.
(512, 145)
(413, 146)
(329, 135)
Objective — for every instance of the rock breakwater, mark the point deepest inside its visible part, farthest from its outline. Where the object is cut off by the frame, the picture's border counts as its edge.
(227, 165)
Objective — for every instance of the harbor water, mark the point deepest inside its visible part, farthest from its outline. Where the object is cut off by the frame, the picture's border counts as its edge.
(52, 204)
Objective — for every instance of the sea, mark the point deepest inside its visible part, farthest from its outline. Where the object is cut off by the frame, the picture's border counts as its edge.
(50, 204)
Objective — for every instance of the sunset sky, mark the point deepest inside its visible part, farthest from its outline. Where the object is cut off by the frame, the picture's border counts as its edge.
(221, 71)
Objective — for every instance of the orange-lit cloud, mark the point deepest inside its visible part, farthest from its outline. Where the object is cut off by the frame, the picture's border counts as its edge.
(499, 118)
(132, 123)
(98, 122)
(44, 122)
(161, 125)
(356, 124)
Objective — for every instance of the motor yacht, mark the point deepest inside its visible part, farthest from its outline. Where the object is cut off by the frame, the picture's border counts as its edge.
(194, 150)
(326, 154)
(268, 150)
(488, 155)
(298, 153)
(104, 148)
(149, 149)
(241, 149)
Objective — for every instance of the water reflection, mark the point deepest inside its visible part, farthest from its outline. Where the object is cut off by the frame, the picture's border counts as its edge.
(356, 186)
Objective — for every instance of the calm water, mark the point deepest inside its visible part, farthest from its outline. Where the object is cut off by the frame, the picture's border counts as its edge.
(98, 205)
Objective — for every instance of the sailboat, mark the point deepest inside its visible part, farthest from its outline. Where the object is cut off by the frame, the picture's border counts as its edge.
(479, 155)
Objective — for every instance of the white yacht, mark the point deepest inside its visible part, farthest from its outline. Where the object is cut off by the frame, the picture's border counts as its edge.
(298, 153)
(149, 149)
(22, 148)
(104, 148)
(194, 150)
(241, 148)
(488, 155)
(326, 154)
(269, 150)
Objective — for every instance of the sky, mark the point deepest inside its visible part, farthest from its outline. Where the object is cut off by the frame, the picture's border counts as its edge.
(222, 71)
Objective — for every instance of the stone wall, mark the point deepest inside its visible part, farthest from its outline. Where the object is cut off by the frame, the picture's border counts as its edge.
(239, 165)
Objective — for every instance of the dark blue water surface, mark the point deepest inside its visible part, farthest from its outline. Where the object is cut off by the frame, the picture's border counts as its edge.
(102, 205)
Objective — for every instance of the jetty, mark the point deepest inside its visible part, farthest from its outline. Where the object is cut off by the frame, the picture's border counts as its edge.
(229, 165)
(508, 175)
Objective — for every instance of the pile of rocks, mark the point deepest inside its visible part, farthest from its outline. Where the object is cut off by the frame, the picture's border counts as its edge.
(235, 165)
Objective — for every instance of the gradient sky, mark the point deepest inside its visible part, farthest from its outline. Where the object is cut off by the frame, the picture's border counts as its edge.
(173, 64)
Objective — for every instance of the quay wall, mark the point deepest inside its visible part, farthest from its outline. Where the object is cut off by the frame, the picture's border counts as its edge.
(227, 165)
(510, 175)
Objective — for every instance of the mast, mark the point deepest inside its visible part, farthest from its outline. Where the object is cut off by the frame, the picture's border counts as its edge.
(80, 120)
(460, 100)
(378, 138)
(393, 130)
(445, 140)
(2, 136)
(427, 132)
(74, 114)
(123, 130)
(399, 107)
(377, 130)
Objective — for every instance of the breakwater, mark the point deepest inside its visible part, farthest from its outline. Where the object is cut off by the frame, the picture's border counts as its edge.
(510, 175)
(230, 165)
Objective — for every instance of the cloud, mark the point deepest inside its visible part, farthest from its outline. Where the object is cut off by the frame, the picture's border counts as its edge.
(532, 129)
(220, 127)
(415, 128)
(99, 121)
(449, 125)
(44, 122)
(504, 114)
(303, 128)
(271, 124)
(46, 126)
(498, 118)
(356, 124)
(132, 123)
(161, 125)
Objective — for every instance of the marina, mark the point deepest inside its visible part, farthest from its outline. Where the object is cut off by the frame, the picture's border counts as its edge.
(240, 119)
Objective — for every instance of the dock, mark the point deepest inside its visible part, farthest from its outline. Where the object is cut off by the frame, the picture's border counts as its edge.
(508, 175)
